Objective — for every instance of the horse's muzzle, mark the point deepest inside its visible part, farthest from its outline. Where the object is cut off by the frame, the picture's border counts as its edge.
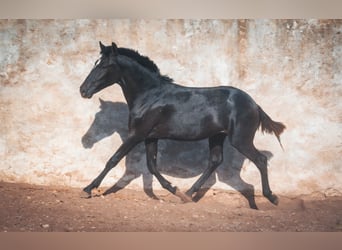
(85, 93)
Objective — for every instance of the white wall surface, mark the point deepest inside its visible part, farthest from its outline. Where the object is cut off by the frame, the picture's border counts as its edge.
(292, 68)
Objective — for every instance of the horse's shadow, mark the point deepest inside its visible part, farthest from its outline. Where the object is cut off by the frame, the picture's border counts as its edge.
(177, 159)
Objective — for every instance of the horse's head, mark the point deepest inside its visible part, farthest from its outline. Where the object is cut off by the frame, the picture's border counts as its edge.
(110, 119)
(106, 72)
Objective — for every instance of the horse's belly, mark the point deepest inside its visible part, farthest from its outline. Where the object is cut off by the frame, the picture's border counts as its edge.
(189, 127)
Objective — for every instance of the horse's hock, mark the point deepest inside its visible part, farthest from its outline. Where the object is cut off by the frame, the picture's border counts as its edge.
(292, 68)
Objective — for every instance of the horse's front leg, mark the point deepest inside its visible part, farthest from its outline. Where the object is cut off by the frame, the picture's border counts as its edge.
(113, 161)
(151, 157)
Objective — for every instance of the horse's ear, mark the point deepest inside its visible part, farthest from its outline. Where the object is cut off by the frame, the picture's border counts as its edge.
(114, 49)
(102, 47)
(102, 103)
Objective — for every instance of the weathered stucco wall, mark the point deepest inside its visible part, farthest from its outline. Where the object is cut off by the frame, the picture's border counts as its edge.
(50, 135)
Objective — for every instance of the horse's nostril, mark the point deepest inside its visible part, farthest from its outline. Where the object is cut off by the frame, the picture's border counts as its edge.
(83, 92)
(86, 94)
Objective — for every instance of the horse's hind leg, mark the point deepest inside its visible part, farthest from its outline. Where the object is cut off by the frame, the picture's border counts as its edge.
(242, 140)
(215, 159)
(151, 158)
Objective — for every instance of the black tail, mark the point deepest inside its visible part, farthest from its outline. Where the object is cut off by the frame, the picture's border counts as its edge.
(270, 126)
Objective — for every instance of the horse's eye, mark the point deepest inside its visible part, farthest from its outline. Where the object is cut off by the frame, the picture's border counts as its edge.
(97, 61)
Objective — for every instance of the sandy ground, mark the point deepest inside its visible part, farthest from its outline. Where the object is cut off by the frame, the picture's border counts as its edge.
(26, 208)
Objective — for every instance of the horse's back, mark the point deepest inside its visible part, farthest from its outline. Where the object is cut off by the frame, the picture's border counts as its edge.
(222, 99)
(196, 113)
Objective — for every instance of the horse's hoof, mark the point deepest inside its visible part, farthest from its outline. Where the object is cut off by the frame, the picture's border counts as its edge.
(85, 195)
(274, 199)
(185, 198)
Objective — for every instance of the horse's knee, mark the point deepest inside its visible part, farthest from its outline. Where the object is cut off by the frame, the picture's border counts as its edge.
(216, 156)
(111, 163)
(216, 159)
(152, 168)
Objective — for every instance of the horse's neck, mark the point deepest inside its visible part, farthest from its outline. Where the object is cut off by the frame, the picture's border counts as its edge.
(135, 81)
(130, 95)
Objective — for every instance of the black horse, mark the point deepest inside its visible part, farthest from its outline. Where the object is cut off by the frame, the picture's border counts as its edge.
(161, 109)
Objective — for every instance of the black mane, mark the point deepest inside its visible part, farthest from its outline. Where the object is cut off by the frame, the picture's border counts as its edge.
(142, 60)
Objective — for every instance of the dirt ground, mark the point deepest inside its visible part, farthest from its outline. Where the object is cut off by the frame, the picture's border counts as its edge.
(25, 208)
